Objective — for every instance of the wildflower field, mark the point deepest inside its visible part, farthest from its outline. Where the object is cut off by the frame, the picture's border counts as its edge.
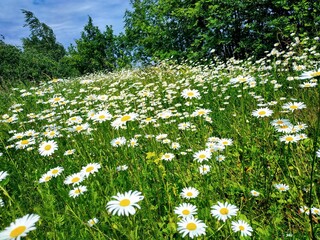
(229, 150)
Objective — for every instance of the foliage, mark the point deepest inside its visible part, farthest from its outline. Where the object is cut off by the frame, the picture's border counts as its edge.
(97, 51)
(192, 29)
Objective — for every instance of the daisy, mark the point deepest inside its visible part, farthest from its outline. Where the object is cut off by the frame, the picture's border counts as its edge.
(201, 112)
(3, 175)
(128, 117)
(315, 211)
(74, 179)
(133, 142)
(54, 172)
(124, 204)
(204, 169)
(280, 122)
(190, 93)
(191, 226)
(308, 85)
(80, 127)
(90, 169)
(92, 222)
(24, 143)
(226, 141)
(45, 178)
(262, 112)
(1, 203)
(282, 187)
(310, 74)
(102, 116)
(220, 158)
(167, 156)
(241, 226)
(254, 193)
(175, 145)
(223, 211)
(294, 106)
(120, 141)
(289, 138)
(202, 155)
(189, 192)
(122, 168)
(304, 209)
(47, 148)
(20, 227)
(77, 191)
(69, 152)
(185, 210)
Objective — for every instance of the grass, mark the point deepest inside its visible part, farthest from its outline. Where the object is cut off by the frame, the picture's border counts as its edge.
(165, 123)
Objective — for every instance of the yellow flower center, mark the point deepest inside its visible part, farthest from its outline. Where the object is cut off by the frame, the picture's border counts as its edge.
(102, 117)
(189, 194)
(201, 112)
(191, 226)
(124, 203)
(57, 99)
(77, 191)
(185, 212)
(79, 128)
(293, 107)
(262, 113)
(282, 189)
(125, 118)
(190, 94)
(75, 179)
(148, 119)
(315, 74)
(54, 171)
(289, 139)
(89, 169)
(202, 156)
(241, 228)
(17, 231)
(47, 178)
(224, 211)
(23, 142)
(47, 147)
(225, 143)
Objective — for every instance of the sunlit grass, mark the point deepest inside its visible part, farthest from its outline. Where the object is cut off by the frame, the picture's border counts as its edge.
(215, 152)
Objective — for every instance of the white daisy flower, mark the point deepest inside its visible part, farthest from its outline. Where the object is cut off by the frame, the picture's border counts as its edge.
(125, 204)
(20, 227)
(185, 210)
(47, 148)
(223, 211)
(91, 168)
(191, 226)
(241, 226)
(189, 192)
(77, 191)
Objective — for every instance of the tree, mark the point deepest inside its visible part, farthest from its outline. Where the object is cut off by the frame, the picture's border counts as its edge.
(89, 54)
(42, 39)
(190, 29)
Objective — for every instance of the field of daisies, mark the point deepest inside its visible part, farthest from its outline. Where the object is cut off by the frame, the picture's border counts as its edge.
(228, 150)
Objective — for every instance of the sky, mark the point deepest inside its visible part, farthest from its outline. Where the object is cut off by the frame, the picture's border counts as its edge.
(67, 18)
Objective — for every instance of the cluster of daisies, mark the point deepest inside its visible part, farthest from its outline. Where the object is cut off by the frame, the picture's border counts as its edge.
(190, 225)
(73, 179)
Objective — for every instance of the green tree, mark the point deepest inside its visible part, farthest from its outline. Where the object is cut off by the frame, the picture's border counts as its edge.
(190, 29)
(42, 38)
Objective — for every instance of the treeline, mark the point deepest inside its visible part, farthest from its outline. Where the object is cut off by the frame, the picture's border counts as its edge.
(181, 30)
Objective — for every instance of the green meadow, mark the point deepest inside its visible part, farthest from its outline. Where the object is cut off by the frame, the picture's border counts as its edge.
(228, 150)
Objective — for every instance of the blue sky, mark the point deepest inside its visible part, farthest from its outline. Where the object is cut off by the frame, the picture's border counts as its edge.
(66, 17)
